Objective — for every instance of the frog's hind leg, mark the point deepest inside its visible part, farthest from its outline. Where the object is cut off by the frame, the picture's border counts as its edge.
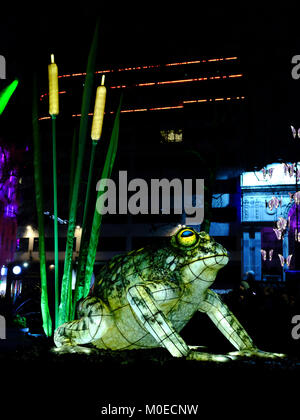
(92, 324)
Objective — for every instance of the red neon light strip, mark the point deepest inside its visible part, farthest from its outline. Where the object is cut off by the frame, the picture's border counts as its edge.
(236, 75)
(201, 61)
(151, 66)
(132, 110)
(162, 108)
(167, 82)
(47, 94)
(165, 107)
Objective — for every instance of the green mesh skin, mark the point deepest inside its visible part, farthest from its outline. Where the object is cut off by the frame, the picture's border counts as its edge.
(144, 298)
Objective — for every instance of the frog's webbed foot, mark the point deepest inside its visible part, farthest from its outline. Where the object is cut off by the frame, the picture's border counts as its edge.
(208, 357)
(64, 349)
(94, 321)
(197, 347)
(255, 353)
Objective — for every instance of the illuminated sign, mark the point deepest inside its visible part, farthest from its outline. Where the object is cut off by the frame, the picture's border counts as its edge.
(271, 175)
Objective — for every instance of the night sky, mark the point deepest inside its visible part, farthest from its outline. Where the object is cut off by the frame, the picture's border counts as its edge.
(264, 39)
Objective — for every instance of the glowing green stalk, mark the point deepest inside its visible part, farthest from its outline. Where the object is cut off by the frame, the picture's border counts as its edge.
(65, 304)
(97, 219)
(56, 259)
(37, 163)
(6, 94)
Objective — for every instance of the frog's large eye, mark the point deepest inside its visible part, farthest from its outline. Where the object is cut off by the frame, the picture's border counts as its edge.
(187, 237)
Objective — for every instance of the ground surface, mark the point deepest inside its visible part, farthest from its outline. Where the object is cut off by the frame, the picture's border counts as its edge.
(35, 380)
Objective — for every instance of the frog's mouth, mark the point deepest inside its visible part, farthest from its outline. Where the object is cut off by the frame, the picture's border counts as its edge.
(213, 256)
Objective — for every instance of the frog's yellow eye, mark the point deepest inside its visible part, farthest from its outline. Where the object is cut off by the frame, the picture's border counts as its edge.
(187, 237)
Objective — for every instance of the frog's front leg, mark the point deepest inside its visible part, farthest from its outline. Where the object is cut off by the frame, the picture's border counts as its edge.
(157, 324)
(231, 328)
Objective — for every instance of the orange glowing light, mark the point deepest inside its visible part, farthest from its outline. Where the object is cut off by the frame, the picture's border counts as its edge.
(151, 66)
(165, 82)
(162, 108)
(134, 110)
(165, 107)
(235, 75)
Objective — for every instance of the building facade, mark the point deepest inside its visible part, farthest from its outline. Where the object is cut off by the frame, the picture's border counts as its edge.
(270, 220)
(182, 119)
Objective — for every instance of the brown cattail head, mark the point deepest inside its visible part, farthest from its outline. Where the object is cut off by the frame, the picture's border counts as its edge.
(53, 88)
(98, 112)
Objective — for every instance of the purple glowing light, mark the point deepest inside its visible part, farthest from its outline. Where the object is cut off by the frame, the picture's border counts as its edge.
(293, 216)
(8, 206)
(8, 186)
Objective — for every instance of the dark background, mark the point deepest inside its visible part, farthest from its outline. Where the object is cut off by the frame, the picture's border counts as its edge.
(265, 38)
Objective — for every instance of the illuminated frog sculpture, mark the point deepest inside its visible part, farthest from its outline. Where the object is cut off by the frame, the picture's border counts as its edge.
(143, 300)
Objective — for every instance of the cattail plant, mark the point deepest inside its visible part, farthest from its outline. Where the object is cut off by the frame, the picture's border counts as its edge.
(97, 219)
(54, 111)
(37, 159)
(96, 132)
(65, 310)
(66, 297)
(6, 94)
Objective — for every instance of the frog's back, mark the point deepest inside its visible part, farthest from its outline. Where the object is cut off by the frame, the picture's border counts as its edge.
(145, 264)
(110, 276)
